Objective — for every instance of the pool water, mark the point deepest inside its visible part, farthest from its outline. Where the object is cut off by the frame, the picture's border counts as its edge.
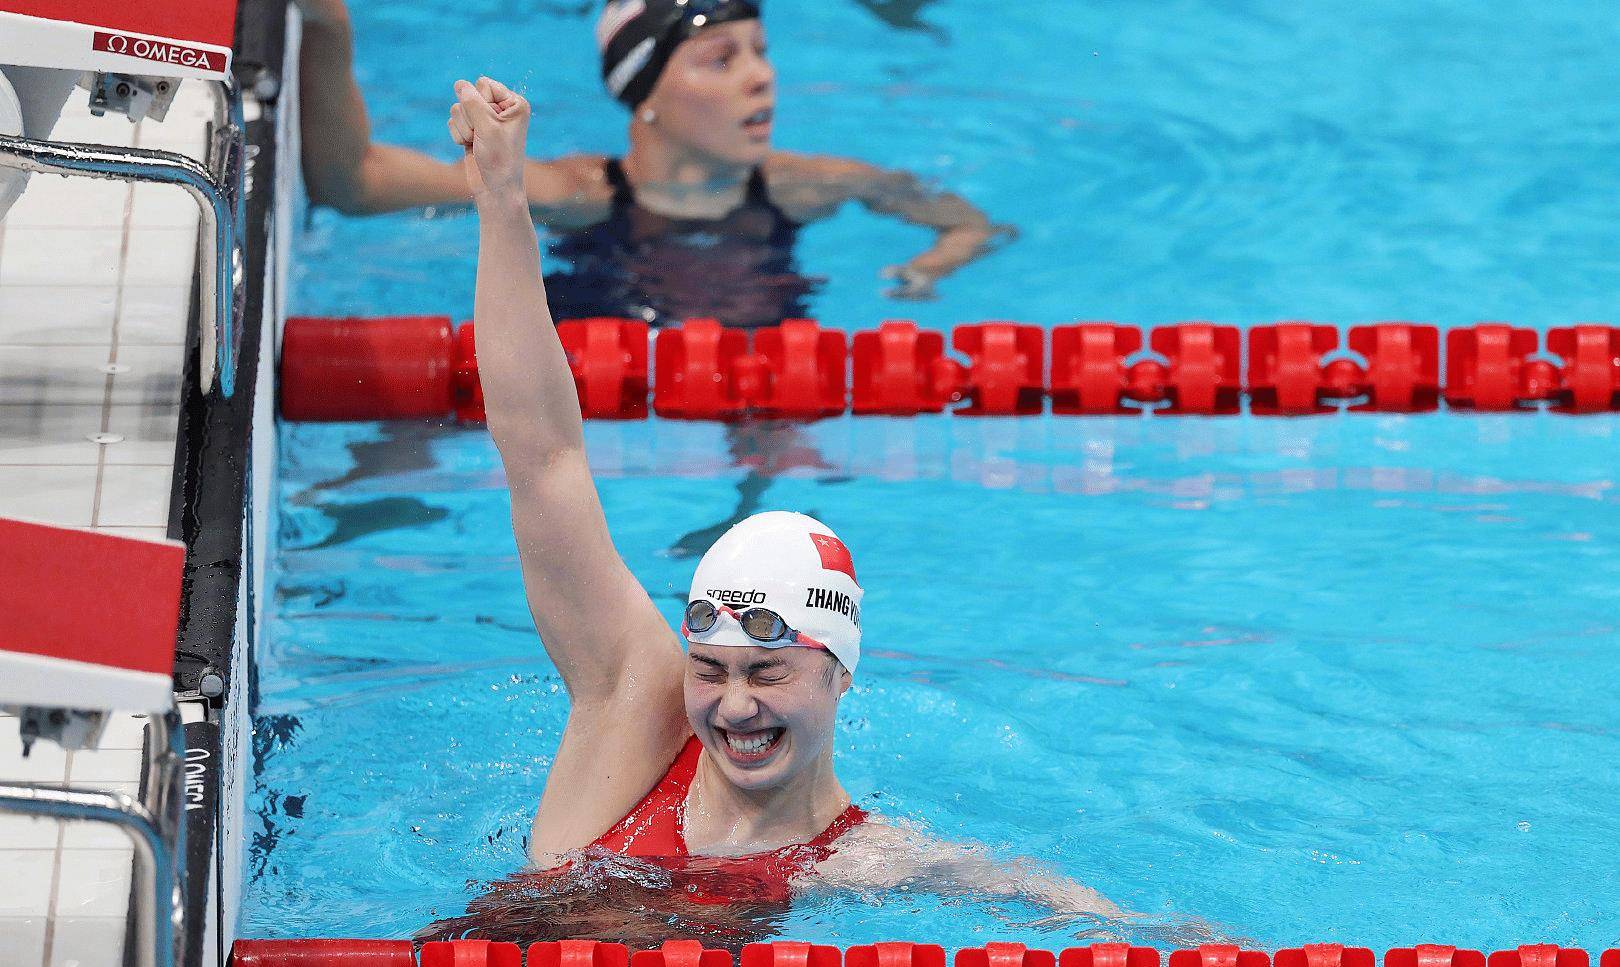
(1347, 678)
(1342, 679)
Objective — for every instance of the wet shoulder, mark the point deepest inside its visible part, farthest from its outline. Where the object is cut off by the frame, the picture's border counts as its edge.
(872, 855)
(812, 186)
(569, 192)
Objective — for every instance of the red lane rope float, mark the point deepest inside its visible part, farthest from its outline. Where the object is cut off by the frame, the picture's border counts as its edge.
(323, 953)
(1219, 955)
(578, 953)
(1002, 954)
(1541, 955)
(367, 369)
(895, 954)
(900, 370)
(788, 953)
(608, 358)
(681, 953)
(1433, 955)
(420, 367)
(794, 953)
(471, 953)
(1109, 955)
(1324, 955)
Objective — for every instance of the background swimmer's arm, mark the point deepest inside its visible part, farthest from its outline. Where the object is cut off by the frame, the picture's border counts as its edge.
(618, 658)
(882, 856)
(342, 167)
(814, 186)
(346, 170)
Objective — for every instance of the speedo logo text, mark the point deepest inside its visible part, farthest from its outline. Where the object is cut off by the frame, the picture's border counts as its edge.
(729, 596)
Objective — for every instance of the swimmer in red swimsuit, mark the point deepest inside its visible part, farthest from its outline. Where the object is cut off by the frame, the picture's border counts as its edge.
(715, 764)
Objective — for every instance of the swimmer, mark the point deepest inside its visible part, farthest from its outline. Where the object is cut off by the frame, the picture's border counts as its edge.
(698, 219)
(717, 758)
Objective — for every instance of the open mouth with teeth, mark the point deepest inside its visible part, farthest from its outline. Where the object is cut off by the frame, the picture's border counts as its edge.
(759, 122)
(747, 748)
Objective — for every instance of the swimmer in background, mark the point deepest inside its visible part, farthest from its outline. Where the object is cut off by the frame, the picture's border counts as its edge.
(712, 768)
(698, 219)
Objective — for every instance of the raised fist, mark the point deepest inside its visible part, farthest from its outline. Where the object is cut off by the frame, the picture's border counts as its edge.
(492, 124)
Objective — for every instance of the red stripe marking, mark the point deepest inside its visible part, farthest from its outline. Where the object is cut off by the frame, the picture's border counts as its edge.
(90, 597)
(199, 21)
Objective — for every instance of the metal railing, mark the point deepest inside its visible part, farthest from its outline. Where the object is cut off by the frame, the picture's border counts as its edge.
(156, 824)
(217, 188)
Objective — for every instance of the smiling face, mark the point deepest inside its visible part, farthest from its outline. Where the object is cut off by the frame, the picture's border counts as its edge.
(717, 96)
(763, 714)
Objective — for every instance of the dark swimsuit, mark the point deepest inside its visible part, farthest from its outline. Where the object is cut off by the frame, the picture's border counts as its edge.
(638, 264)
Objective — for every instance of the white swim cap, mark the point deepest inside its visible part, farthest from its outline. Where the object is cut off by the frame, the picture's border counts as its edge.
(791, 564)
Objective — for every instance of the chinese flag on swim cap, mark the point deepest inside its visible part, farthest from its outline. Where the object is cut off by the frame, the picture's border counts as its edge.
(834, 555)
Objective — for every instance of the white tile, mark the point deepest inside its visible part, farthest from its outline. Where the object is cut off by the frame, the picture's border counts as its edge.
(144, 533)
(26, 832)
(104, 765)
(178, 134)
(93, 883)
(149, 376)
(22, 941)
(51, 495)
(46, 763)
(163, 206)
(53, 375)
(124, 730)
(192, 100)
(61, 256)
(84, 835)
(113, 129)
(185, 127)
(28, 874)
(134, 496)
(60, 201)
(153, 315)
(148, 434)
(44, 435)
(159, 256)
(57, 314)
(87, 941)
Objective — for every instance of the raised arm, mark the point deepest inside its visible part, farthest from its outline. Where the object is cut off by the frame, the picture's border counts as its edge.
(596, 621)
(620, 662)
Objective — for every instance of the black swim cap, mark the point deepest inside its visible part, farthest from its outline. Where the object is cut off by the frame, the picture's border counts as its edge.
(637, 37)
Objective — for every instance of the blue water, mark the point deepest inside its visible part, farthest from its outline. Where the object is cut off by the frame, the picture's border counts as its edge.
(1329, 679)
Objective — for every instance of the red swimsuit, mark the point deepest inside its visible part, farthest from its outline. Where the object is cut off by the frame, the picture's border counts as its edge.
(655, 829)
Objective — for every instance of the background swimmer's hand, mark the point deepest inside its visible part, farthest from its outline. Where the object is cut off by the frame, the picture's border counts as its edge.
(491, 123)
(914, 284)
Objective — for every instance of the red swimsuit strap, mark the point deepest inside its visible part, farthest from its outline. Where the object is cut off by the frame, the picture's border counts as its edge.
(653, 827)
(656, 826)
(847, 820)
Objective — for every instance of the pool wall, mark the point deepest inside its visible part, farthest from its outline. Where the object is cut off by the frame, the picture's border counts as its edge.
(274, 25)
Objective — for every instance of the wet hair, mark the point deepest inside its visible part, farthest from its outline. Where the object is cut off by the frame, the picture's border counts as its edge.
(834, 666)
(637, 37)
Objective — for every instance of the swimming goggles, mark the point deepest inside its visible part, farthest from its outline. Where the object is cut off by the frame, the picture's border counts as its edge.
(692, 14)
(761, 624)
